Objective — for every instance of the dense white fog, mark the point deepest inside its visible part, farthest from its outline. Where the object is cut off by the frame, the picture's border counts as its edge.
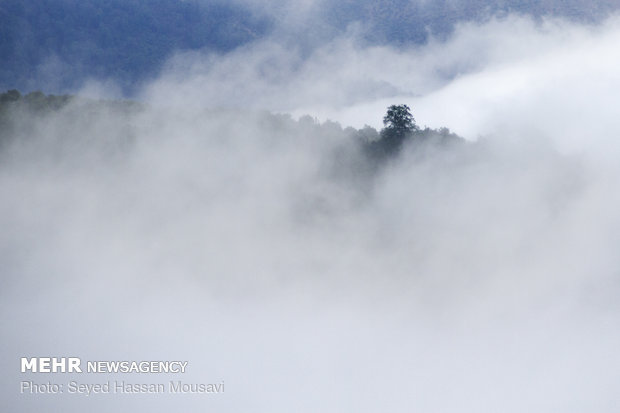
(480, 278)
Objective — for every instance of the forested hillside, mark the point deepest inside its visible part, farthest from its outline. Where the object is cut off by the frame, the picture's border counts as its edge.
(21, 116)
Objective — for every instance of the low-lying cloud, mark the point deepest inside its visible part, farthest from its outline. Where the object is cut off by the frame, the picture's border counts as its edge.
(474, 279)
(477, 80)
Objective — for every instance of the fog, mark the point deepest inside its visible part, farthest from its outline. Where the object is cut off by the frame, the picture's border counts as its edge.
(479, 278)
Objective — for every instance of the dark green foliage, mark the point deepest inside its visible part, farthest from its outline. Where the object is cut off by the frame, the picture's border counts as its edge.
(358, 156)
(38, 102)
(401, 130)
(20, 113)
(399, 119)
(399, 125)
(10, 96)
(35, 101)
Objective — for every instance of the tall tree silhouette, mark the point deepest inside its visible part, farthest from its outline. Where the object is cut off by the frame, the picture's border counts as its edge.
(399, 124)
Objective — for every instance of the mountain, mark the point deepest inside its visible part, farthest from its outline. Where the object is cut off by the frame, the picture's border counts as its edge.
(405, 21)
(123, 40)
(56, 44)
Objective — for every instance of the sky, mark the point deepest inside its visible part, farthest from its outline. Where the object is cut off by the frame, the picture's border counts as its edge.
(479, 278)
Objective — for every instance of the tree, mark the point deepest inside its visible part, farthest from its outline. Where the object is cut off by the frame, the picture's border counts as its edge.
(399, 119)
(399, 124)
(12, 95)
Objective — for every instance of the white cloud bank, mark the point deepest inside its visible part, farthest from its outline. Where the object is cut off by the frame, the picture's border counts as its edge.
(477, 280)
(484, 77)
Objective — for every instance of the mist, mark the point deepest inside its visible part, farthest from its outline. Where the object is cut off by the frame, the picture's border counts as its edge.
(263, 250)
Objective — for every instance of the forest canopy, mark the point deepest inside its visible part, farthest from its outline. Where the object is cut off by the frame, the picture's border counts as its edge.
(400, 127)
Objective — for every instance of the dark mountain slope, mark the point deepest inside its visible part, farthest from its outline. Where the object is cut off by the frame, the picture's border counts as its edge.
(56, 44)
(125, 40)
